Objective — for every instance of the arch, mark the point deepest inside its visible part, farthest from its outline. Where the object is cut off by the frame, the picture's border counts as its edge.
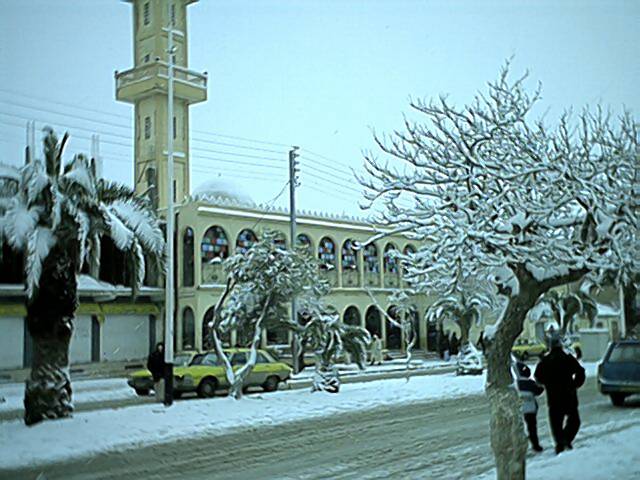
(304, 243)
(415, 326)
(207, 339)
(408, 250)
(371, 265)
(351, 316)
(214, 246)
(188, 252)
(245, 240)
(188, 329)
(327, 259)
(390, 265)
(373, 321)
(280, 240)
(394, 333)
(432, 333)
(349, 263)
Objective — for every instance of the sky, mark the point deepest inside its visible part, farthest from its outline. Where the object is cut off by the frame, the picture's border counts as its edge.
(322, 75)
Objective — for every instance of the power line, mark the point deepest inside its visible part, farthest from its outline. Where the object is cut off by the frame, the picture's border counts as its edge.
(128, 117)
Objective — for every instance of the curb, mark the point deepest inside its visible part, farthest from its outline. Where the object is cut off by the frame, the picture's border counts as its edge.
(371, 377)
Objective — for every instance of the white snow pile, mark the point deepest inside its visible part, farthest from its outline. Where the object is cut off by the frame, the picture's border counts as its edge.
(84, 391)
(93, 432)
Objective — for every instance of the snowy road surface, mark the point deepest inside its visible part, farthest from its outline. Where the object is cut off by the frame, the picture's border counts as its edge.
(430, 439)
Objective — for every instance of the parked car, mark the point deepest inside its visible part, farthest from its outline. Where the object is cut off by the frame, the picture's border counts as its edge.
(205, 374)
(525, 350)
(619, 371)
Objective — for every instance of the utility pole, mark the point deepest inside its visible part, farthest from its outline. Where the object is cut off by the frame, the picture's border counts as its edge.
(295, 350)
(169, 279)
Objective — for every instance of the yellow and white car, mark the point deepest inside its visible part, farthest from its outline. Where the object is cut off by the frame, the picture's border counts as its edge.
(205, 373)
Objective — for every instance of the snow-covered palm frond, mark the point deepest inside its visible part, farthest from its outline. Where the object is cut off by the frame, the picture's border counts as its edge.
(38, 246)
(78, 176)
(121, 235)
(141, 221)
(34, 181)
(19, 223)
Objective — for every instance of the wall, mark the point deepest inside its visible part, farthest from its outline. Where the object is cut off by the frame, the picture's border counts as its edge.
(125, 337)
(11, 342)
(80, 348)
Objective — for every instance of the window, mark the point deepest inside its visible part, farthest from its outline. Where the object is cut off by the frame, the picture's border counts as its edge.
(146, 58)
(188, 329)
(146, 13)
(175, 123)
(173, 59)
(147, 128)
(213, 249)
(246, 239)
(628, 353)
(239, 359)
(208, 359)
(187, 258)
(262, 358)
(173, 14)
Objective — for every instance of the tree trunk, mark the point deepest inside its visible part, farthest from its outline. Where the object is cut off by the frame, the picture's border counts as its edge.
(50, 316)
(508, 439)
(48, 389)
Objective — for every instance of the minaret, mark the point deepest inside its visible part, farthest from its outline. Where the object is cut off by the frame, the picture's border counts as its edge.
(145, 86)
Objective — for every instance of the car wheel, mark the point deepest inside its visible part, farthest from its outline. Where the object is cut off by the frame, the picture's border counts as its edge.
(207, 387)
(177, 395)
(143, 392)
(617, 399)
(271, 384)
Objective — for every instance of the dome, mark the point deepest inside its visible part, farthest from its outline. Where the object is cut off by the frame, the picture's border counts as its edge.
(222, 190)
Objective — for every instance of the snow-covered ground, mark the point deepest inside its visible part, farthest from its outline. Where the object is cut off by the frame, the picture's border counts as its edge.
(148, 424)
(610, 450)
(116, 429)
(84, 391)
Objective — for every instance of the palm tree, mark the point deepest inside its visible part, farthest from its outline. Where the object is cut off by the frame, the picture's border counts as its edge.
(55, 216)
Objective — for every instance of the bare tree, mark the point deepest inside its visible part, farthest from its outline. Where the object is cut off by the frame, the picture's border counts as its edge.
(529, 206)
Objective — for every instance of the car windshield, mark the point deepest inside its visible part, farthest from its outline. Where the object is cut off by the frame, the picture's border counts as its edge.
(205, 359)
(625, 353)
(182, 360)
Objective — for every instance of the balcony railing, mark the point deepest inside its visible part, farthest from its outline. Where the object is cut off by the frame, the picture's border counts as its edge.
(160, 69)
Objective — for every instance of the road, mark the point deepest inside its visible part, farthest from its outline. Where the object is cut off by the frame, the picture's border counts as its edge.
(443, 439)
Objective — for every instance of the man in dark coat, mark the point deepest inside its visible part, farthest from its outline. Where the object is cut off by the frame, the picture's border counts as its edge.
(156, 365)
(561, 375)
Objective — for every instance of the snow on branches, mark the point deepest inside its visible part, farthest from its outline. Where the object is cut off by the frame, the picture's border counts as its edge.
(44, 204)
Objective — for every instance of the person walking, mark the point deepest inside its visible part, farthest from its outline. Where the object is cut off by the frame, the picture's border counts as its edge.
(376, 350)
(454, 345)
(156, 365)
(529, 390)
(562, 376)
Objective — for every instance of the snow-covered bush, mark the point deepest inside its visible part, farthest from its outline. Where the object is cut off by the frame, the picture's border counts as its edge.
(330, 340)
(55, 215)
(530, 206)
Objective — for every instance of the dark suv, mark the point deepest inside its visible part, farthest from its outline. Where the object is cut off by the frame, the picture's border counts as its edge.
(619, 371)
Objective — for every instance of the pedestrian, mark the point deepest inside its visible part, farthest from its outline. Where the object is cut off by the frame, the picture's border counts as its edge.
(454, 345)
(446, 348)
(529, 390)
(561, 375)
(376, 350)
(156, 365)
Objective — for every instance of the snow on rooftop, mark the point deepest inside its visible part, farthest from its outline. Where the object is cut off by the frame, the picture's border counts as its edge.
(225, 191)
